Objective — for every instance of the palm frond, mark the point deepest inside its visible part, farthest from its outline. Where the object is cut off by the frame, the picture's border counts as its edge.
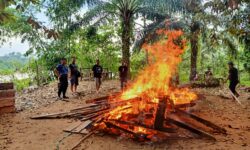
(93, 16)
(149, 34)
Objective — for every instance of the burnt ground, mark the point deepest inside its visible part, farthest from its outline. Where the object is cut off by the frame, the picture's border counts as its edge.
(18, 132)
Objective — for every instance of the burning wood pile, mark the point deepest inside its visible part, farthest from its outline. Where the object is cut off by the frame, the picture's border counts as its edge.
(149, 109)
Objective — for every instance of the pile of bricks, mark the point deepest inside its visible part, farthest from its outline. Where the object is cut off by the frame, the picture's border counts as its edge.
(7, 98)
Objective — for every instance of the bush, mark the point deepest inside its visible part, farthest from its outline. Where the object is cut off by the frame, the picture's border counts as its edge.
(22, 84)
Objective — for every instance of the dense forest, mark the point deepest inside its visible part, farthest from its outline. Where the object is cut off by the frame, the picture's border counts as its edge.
(217, 31)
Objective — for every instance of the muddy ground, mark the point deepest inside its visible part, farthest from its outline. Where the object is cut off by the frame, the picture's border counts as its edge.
(18, 132)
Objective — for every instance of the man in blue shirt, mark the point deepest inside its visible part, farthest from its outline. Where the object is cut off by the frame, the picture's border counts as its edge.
(62, 74)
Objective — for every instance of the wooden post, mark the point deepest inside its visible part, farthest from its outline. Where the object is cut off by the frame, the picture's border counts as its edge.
(159, 117)
(7, 98)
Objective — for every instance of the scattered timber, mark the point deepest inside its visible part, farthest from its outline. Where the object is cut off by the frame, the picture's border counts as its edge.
(203, 121)
(190, 128)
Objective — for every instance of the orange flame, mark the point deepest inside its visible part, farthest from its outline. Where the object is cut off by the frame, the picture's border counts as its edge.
(154, 82)
(155, 79)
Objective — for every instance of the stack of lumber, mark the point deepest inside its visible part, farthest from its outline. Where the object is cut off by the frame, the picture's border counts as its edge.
(7, 98)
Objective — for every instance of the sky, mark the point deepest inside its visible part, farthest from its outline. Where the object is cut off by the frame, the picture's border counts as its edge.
(14, 44)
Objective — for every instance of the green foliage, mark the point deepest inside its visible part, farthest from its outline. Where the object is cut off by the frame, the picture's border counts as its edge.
(138, 62)
(22, 84)
(12, 62)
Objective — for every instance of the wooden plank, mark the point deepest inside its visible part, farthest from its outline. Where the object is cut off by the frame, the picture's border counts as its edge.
(48, 116)
(7, 93)
(9, 109)
(7, 102)
(82, 126)
(102, 98)
(94, 100)
(159, 118)
(203, 121)
(73, 126)
(77, 114)
(190, 128)
(6, 86)
(81, 140)
(85, 107)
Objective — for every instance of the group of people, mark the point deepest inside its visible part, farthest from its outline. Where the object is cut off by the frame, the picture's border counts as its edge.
(64, 73)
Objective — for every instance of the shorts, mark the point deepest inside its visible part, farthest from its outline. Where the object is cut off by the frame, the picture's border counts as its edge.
(74, 80)
(98, 81)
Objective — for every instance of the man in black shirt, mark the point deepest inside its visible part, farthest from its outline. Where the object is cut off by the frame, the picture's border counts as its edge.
(123, 73)
(233, 78)
(97, 70)
(74, 75)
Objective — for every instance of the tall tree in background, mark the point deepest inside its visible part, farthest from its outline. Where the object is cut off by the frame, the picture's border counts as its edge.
(193, 7)
(126, 11)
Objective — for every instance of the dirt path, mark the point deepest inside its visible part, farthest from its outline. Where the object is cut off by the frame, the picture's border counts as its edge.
(18, 132)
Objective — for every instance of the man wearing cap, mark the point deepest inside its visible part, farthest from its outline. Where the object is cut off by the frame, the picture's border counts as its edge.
(62, 74)
(233, 78)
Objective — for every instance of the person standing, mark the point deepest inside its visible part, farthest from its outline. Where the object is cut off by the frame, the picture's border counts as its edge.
(208, 76)
(123, 73)
(74, 75)
(62, 74)
(233, 78)
(97, 71)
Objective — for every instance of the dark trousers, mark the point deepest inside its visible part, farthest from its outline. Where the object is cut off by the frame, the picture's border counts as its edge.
(123, 81)
(232, 87)
(63, 85)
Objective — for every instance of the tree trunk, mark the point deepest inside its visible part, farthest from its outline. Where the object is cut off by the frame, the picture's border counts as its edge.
(37, 74)
(194, 50)
(126, 30)
(144, 26)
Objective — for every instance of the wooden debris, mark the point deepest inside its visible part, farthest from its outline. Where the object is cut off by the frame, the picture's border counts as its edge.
(158, 124)
(6, 86)
(4, 102)
(82, 139)
(9, 109)
(7, 93)
(190, 128)
(49, 116)
(168, 130)
(97, 99)
(7, 98)
(136, 135)
(203, 121)
(72, 126)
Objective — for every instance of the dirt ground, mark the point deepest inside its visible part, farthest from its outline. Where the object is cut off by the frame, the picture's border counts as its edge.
(18, 132)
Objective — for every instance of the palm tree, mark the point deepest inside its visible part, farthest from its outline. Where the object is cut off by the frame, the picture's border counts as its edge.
(126, 10)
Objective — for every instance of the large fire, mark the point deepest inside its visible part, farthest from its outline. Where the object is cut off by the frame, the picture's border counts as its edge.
(153, 84)
(154, 80)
